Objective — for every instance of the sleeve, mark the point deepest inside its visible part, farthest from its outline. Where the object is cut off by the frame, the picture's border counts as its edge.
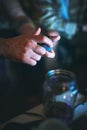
(51, 18)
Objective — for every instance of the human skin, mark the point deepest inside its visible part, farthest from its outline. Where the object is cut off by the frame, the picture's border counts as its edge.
(17, 14)
(25, 48)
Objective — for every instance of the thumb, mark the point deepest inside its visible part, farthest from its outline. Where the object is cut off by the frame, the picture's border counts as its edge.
(38, 31)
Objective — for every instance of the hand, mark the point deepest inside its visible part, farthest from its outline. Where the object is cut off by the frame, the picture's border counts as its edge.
(54, 35)
(29, 28)
(25, 48)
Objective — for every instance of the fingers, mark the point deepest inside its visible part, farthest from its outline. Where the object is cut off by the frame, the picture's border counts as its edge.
(55, 38)
(35, 57)
(50, 54)
(31, 58)
(54, 35)
(40, 50)
(38, 31)
(43, 39)
(34, 51)
(30, 61)
(37, 48)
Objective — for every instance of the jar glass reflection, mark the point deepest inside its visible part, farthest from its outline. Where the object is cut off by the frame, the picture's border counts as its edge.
(59, 94)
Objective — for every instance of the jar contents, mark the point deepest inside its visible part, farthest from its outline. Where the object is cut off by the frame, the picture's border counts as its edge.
(59, 94)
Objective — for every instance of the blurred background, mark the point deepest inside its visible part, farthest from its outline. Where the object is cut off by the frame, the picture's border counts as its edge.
(72, 56)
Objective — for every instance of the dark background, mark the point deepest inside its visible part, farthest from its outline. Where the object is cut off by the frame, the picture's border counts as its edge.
(11, 106)
(14, 105)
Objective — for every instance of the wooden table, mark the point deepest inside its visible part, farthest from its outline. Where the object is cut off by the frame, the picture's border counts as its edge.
(25, 117)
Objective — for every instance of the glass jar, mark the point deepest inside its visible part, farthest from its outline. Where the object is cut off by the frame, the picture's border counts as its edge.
(59, 94)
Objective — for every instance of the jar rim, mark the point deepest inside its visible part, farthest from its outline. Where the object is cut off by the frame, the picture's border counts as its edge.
(61, 71)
